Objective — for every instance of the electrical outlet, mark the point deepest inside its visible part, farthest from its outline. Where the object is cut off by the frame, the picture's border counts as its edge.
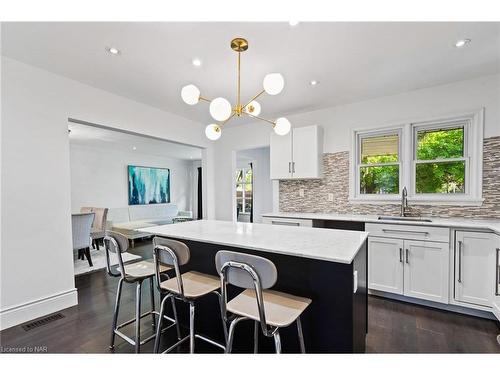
(301, 193)
(330, 197)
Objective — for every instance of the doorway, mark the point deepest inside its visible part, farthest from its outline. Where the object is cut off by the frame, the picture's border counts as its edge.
(253, 186)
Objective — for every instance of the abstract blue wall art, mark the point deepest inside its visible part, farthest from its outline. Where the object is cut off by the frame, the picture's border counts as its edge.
(147, 185)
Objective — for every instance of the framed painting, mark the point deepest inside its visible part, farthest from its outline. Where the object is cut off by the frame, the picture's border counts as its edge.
(148, 185)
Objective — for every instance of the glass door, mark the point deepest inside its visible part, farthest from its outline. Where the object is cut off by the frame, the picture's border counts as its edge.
(244, 194)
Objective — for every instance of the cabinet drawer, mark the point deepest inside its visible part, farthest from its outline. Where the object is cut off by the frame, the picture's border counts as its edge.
(289, 222)
(410, 232)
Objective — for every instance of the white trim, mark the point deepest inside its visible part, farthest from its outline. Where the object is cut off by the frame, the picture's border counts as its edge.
(24, 312)
(473, 156)
(437, 201)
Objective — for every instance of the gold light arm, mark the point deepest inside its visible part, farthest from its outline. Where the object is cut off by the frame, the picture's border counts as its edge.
(204, 99)
(255, 97)
(230, 117)
(260, 118)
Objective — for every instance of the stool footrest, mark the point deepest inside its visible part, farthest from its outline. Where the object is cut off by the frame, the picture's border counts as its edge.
(130, 340)
(204, 338)
(210, 341)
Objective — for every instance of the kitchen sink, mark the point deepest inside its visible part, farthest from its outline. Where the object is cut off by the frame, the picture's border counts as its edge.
(402, 218)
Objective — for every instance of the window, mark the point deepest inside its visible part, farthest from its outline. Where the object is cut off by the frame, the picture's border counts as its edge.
(439, 162)
(379, 164)
(244, 194)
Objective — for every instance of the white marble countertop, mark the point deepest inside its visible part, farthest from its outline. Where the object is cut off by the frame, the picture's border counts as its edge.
(493, 225)
(332, 245)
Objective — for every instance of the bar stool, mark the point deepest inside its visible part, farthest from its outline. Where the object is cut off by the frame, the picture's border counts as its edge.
(272, 309)
(187, 287)
(136, 273)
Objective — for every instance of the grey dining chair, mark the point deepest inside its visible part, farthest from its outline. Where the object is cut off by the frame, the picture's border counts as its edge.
(270, 309)
(99, 225)
(80, 228)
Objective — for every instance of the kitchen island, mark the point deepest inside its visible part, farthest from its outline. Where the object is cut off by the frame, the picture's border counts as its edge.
(329, 266)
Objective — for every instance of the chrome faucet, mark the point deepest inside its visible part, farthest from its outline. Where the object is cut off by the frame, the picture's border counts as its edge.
(404, 201)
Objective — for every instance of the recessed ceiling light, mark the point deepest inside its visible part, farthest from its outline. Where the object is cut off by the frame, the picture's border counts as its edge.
(134, 148)
(196, 62)
(462, 42)
(314, 82)
(113, 50)
(293, 23)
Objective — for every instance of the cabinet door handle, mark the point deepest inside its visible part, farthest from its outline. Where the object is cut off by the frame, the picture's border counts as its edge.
(407, 256)
(497, 267)
(459, 261)
(405, 231)
(293, 167)
(401, 255)
(289, 167)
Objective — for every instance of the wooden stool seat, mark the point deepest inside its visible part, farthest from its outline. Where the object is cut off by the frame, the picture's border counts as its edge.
(195, 284)
(282, 309)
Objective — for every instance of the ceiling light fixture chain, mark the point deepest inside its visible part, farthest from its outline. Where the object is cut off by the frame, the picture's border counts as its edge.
(222, 111)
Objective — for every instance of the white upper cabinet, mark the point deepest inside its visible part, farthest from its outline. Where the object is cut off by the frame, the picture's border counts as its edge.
(281, 156)
(475, 254)
(298, 154)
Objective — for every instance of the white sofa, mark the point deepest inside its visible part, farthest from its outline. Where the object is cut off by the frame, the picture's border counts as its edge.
(128, 220)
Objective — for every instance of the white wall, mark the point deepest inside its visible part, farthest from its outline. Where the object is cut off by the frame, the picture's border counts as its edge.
(262, 184)
(36, 202)
(99, 177)
(338, 122)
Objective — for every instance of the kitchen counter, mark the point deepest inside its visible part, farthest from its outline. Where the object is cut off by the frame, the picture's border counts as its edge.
(327, 265)
(316, 243)
(492, 225)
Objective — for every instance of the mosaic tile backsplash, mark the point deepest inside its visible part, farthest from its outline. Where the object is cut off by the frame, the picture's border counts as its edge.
(336, 181)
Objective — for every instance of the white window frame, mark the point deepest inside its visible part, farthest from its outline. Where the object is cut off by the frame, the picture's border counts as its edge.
(473, 155)
(377, 133)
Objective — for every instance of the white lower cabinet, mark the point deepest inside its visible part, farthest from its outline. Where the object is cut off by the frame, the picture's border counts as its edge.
(474, 260)
(385, 264)
(495, 303)
(418, 269)
(426, 270)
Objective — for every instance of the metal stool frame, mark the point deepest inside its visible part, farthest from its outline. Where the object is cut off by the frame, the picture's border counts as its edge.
(268, 331)
(180, 296)
(137, 342)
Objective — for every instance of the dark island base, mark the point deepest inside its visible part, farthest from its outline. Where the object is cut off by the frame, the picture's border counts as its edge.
(335, 322)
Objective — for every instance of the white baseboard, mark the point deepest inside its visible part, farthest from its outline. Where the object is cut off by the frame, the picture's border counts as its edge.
(22, 313)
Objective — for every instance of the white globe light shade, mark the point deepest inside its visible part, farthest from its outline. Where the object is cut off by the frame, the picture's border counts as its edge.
(190, 94)
(213, 132)
(253, 108)
(273, 83)
(282, 126)
(220, 109)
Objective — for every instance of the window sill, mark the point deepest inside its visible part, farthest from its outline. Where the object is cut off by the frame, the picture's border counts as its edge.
(435, 201)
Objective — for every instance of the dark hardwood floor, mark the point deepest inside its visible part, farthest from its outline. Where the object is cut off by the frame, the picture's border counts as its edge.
(394, 327)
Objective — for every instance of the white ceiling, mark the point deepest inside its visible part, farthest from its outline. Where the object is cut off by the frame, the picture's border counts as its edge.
(352, 61)
(113, 140)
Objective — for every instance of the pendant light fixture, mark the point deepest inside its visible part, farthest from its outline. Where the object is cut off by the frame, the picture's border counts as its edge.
(221, 109)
